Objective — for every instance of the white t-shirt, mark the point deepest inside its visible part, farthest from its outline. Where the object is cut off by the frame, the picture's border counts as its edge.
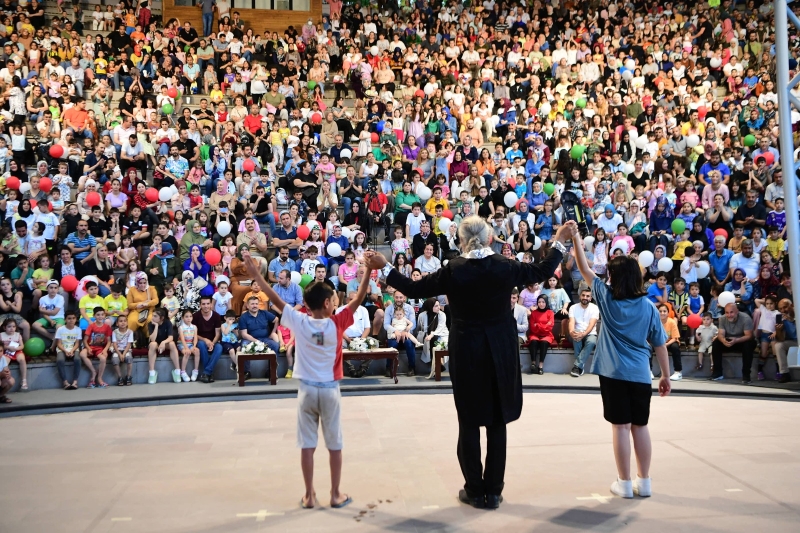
(50, 221)
(413, 223)
(221, 302)
(69, 337)
(49, 304)
(584, 316)
(121, 341)
(318, 355)
(360, 322)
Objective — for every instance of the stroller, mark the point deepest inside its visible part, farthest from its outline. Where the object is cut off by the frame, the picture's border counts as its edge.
(574, 210)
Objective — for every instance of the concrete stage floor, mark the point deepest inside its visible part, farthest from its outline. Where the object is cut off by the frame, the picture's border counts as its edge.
(720, 465)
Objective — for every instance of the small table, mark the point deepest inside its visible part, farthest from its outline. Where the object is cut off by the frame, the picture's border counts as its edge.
(372, 355)
(273, 365)
(438, 360)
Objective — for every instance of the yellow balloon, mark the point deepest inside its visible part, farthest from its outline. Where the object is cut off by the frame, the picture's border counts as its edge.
(698, 149)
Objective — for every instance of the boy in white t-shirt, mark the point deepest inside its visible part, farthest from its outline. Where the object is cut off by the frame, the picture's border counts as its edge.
(122, 350)
(318, 366)
(68, 346)
(51, 307)
(413, 221)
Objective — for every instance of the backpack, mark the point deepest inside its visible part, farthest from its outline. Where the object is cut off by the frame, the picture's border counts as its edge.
(573, 210)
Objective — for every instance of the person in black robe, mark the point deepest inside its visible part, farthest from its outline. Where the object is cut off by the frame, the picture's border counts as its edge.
(483, 344)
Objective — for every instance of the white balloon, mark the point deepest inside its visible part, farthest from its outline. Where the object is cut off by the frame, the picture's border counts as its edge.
(374, 50)
(537, 243)
(628, 169)
(348, 234)
(703, 268)
(24, 187)
(622, 245)
(641, 142)
(726, 298)
(520, 256)
(692, 140)
(715, 62)
(334, 250)
(627, 75)
(311, 224)
(646, 258)
(630, 64)
(588, 242)
(444, 224)
(173, 189)
(510, 199)
(165, 194)
(424, 193)
(665, 264)
(296, 278)
(346, 153)
(224, 228)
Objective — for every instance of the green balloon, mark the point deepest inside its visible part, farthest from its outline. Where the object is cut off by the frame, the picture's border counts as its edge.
(577, 151)
(749, 140)
(678, 226)
(305, 280)
(311, 85)
(34, 347)
(167, 109)
(581, 103)
(549, 188)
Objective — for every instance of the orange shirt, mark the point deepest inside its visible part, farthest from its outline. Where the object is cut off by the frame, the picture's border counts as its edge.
(75, 117)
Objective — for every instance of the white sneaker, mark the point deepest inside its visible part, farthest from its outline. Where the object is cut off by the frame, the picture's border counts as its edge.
(176, 376)
(185, 377)
(676, 376)
(652, 377)
(623, 489)
(152, 378)
(641, 487)
(194, 375)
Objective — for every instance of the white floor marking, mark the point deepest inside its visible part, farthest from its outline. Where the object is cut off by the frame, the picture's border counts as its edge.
(260, 516)
(733, 490)
(595, 496)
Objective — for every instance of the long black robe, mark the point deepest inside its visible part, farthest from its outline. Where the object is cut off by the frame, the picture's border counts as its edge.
(483, 328)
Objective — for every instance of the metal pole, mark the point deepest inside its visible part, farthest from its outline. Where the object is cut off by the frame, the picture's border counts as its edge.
(788, 166)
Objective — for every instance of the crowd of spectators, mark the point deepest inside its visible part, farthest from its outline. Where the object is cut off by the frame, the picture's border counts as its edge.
(656, 122)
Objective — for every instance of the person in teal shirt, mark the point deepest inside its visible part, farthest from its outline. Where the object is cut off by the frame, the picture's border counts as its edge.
(630, 329)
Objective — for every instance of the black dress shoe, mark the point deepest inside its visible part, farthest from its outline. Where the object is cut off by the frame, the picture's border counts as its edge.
(247, 376)
(204, 378)
(493, 501)
(210, 378)
(477, 503)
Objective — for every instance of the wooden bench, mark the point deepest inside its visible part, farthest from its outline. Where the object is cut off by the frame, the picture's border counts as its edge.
(438, 360)
(373, 355)
(242, 358)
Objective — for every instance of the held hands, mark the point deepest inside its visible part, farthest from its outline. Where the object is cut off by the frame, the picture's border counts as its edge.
(374, 260)
(567, 231)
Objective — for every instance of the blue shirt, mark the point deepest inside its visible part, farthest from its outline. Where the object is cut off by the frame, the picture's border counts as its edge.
(291, 295)
(258, 326)
(275, 266)
(653, 291)
(283, 235)
(73, 238)
(622, 351)
(721, 265)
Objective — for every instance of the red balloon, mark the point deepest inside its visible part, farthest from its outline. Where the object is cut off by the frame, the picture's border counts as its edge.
(248, 165)
(69, 283)
(13, 183)
(277, 216)
(303, 232)
(213, 256)
(694, 321)
(419, 93)
(93, 199)
(46, 184)
(172, 92)
(151, 194)
(767, 157)
(56, 151)
(721, 232)
(316, 118)
(447, 214)
(374, 137)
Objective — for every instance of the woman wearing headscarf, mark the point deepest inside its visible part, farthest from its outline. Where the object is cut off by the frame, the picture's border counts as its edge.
(192, 237)
(636, 221)
(25, 213)
(188, 294)
(699, 232)
(540, 333)
(661, 224)
(240, 280)
(142, 300)
(485, 369)
(355, 220)
(162, 268)
(742, 290)
(197, 265)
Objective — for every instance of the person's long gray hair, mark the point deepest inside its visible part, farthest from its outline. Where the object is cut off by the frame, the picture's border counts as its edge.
(474, 233)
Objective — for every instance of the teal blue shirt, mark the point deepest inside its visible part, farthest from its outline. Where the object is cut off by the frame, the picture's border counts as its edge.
(627, 327)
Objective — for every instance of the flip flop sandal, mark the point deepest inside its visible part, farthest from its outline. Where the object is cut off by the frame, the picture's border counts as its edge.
(304, 506)
(73, 387)
(344, 503)
(91, 385)
(5, 399)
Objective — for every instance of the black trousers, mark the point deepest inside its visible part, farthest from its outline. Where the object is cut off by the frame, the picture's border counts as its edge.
(674, 351)
(538, 351)
(478, 480)
(744, 348)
